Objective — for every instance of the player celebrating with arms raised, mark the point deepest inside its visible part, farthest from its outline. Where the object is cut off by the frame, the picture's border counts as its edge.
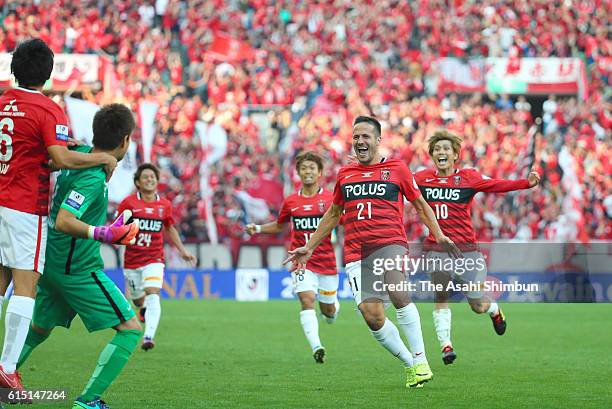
(33, 129)
(73, 281)
(450, 192)
(144, 261)
(371, 194)
(320, 278)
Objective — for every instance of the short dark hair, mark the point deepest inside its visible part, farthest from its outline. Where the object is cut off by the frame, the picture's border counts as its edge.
(370, 120)
(311, 156)
(111, 124)
(144, 167)
(32, 63)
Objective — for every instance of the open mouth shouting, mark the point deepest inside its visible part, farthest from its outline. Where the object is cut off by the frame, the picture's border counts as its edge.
(363, 152)
(442, 160)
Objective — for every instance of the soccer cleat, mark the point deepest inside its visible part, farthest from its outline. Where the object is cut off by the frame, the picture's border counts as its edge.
(147, 343)
(319, 355)
(422, 373)
(141, 314)
(12, 381)
(97, 403)
(448, 355)
(499, 322)
(411, 381)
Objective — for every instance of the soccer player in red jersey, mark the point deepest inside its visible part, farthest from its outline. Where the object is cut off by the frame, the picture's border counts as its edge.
(371, 195)
(33, 129)
(450, 192)
(144, 261)
(319, 279)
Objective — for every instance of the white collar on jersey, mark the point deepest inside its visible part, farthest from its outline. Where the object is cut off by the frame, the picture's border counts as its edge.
(318, 193)
(33, 91)
(140, 197)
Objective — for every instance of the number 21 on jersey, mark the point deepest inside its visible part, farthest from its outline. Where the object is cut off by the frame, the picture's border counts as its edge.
(364, 210)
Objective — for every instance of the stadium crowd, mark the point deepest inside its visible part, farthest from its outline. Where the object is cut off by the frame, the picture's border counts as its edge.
(314, 67)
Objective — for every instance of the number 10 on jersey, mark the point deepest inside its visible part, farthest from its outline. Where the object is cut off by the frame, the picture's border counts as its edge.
(441, 211)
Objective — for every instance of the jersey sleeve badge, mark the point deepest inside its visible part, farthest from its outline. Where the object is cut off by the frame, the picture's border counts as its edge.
(61, 132)
(75, 200)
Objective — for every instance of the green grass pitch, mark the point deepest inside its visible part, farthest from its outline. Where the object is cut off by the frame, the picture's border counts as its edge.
(225, 354)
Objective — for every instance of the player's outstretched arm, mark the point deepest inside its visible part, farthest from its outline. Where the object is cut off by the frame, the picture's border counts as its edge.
(505, 185)
(63, 158)
(429, 219)
(268, 228)
(117, 233)
(175, 239)
(330, 220)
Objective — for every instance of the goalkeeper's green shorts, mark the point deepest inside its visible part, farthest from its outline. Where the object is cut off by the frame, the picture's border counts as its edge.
(94, 297)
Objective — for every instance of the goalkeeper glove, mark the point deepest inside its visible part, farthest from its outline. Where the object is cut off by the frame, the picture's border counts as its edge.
(118, 232)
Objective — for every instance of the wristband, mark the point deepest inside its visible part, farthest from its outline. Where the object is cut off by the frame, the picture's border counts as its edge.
(258, 228)
(90, 232)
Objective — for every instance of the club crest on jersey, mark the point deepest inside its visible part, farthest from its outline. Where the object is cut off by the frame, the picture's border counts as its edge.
(457, 180)
(160, 211)
(321, 206)
(385, 174)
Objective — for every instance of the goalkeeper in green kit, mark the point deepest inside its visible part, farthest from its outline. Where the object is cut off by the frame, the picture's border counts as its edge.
(73, 281)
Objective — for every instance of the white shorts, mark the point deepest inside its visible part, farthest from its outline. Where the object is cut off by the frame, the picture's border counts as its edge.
(472, 268)
(149, 276)
(368, 283)
(23, 239)
(324, 285)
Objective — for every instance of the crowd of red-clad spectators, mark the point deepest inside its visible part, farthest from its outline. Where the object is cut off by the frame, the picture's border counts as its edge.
(313, 66)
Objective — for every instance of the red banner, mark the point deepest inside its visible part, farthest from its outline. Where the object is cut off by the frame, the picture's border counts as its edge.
(228, 49)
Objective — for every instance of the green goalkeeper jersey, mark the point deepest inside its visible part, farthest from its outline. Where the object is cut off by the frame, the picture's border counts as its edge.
(83, 193)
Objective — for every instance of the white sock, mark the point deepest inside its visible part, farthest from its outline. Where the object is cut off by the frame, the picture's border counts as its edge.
(493, 309)
(152, 314)
(331, 320)
(16, 326)
(442, 324)
(389, 337)
(310, 325)
(410, 321)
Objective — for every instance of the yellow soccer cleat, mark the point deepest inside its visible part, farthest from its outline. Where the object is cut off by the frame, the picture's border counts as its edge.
(422, 373)
(411, 381)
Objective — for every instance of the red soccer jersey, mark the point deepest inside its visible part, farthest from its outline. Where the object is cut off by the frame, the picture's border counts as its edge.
(373, 200)
(152, 217)
(451, 198)
(29, 123)
(305, 214)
